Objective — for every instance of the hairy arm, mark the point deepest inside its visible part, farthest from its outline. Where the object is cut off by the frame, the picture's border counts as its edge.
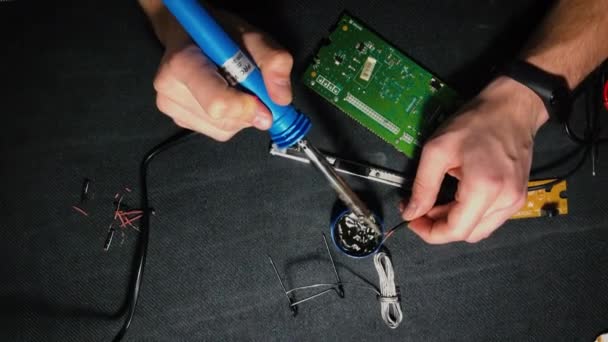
(488, 146)
(572, 39)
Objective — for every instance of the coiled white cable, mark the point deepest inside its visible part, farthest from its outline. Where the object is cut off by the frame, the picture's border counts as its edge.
(390, 307)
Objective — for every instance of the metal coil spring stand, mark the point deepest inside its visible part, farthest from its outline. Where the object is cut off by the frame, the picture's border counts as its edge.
(290, 294)
(387, 293)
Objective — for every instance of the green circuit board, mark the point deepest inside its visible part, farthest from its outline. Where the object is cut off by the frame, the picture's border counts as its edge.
(379, 86)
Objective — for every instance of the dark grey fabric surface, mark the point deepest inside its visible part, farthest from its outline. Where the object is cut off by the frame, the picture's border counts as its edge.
(77, 101)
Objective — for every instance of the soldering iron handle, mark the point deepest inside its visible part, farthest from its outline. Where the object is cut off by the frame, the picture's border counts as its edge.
(289, 126)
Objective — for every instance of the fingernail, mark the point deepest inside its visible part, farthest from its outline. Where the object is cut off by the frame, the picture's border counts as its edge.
(262, 118)
(410, 211)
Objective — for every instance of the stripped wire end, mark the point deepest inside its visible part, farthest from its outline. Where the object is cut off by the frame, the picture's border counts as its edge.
(80, 210)
(109, 237)
(392, 231)
(84, 193)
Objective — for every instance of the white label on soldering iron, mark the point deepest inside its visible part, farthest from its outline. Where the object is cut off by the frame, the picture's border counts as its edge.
(238, 67)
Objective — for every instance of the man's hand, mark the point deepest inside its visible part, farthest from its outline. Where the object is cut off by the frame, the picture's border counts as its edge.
(193, 93)
(488, 148)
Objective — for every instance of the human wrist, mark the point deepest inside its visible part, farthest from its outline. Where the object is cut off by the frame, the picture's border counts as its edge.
(527, 108)
(552, 89)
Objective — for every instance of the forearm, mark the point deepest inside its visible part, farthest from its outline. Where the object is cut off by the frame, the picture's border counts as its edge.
(571, 41)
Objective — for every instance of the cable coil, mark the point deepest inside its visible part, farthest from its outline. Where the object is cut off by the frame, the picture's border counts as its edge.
(390, 306)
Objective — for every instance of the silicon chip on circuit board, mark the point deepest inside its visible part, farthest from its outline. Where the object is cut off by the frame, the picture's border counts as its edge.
(378, 86)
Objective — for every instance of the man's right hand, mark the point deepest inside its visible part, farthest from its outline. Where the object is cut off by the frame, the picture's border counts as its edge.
(193, 93)
(488, 148)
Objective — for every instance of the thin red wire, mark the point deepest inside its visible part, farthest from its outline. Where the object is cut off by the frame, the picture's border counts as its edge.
(130, 212)
(125, 221)
(123, 216)
(130, 221)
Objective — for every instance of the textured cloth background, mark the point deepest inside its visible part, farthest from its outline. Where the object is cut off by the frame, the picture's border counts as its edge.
(77, 101)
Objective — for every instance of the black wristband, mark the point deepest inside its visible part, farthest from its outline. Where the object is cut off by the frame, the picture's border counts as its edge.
(552, 89)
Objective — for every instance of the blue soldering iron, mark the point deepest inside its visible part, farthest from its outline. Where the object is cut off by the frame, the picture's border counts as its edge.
(289, 126)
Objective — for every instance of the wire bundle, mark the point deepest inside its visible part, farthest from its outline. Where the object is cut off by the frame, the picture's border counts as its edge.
(390, 307)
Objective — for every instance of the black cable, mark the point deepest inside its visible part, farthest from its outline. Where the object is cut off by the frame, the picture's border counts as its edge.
(144, 231)
(584, 146)
(592, 138)
(572, 135)
(397, 226)
(548, 185)
(561, 160)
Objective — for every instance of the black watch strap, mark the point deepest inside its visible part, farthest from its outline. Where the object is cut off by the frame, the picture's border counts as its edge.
(552, 89)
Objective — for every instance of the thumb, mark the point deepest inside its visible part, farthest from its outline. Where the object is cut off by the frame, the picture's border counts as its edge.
(275, 64)
(434, 163)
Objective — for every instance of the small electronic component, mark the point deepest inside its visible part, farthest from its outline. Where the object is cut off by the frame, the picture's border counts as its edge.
(382, 88)
(338, 59)
(368, 68)
(435, 84)
(360, 47)
(548, 202)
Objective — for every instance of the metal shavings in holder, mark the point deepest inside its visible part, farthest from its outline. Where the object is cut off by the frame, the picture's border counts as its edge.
(354, 237)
